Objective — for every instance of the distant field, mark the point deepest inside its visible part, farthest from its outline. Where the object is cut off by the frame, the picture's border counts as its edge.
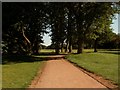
(19, 74)
(84, 50)
(47, 50)
(99, 50)
(104, 63)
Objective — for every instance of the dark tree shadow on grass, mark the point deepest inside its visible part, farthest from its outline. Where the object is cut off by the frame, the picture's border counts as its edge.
(48, 54)
(12, 59)
(118, 53)
(111, 51)
(107, 51)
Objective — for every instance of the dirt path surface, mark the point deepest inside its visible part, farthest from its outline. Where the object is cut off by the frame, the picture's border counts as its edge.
(62, 74)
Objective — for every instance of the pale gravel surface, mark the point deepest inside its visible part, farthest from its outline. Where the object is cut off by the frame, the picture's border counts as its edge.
(62, 74)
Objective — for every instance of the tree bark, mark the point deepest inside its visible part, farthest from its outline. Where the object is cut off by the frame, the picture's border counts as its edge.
(36, 48)
(70, 46)
(28, 42)
(80, 46)
(95, 45)
(80, 31)
(66, 48)
(62, 48)
(69, 31)
(80, 38)
(57, 48)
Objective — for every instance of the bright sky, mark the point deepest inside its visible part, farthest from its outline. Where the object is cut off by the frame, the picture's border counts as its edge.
(47, 39)
(115, 24)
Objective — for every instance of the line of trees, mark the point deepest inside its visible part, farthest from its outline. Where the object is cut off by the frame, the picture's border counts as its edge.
(72, 24)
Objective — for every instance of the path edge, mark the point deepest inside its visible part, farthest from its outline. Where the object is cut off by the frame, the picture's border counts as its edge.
(37, 76)
(107, 83)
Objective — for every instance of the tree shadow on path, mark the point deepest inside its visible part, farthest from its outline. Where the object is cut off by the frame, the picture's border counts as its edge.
(13, 59)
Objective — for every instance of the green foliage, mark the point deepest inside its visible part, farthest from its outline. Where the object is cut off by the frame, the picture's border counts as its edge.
(24, 27)
(24, 24)
(112, 42)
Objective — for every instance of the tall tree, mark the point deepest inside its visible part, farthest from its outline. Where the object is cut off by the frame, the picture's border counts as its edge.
(57, 25)
(86, 14)
(26, 27)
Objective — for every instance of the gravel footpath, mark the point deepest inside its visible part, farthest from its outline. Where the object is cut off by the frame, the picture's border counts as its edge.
(62, 74)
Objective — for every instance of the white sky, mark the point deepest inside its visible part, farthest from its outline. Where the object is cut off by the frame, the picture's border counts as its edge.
(115, 24)
(47, 40)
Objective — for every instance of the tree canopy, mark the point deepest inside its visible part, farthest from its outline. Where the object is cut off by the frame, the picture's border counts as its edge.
(72, 24)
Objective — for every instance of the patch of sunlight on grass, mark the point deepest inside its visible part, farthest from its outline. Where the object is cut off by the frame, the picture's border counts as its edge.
(0, 76)
(104, 64)
(19, 75)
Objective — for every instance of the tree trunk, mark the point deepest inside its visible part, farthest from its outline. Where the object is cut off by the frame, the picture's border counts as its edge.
(62, 48)
(28, 42)
(80, 46)
(69, 31)
(80, 32)
(57, 48)
(95, 45)
(10, 49)
(66, 48)
(36, 49)
(80, 39)
(70, 46)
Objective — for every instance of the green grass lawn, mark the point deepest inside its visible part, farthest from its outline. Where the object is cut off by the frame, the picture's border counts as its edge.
(19, 71)
(0, 76)
(19, 74)
(47, 50)
(102, 63)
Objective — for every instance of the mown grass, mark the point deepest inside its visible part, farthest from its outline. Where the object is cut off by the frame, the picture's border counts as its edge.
(19, 74)
(102, 63)
(0, 68)
(47, 50)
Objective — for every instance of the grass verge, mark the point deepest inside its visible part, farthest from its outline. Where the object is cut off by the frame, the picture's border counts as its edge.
(19, 74)
(103, 64)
